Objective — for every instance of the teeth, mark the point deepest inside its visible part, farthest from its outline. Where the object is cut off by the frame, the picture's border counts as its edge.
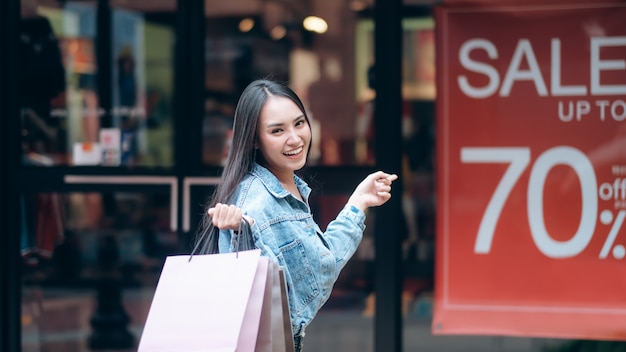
(294, 152)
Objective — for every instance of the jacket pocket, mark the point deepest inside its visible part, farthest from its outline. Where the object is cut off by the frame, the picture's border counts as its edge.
(300, 276)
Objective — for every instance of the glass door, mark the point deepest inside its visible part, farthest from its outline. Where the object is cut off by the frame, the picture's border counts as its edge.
(98, 180)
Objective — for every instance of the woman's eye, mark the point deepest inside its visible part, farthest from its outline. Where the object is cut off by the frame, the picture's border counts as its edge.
(277, 130)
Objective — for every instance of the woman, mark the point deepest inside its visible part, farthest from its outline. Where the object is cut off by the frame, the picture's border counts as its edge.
(271, 140)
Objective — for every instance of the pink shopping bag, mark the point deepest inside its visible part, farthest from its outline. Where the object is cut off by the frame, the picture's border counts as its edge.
(275, 328)
(209, 303)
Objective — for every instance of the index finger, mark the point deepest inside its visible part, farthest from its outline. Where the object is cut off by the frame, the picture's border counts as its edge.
(387, 178)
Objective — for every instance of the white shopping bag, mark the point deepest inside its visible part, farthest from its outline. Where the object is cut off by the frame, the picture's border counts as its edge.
(212, 302)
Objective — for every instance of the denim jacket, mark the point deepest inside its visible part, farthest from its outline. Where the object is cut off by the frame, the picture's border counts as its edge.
(284, 230)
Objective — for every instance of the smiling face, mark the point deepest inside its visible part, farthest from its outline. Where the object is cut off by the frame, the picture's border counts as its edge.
(284, 136)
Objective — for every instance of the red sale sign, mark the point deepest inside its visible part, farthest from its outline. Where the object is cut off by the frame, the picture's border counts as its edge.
(531, 171)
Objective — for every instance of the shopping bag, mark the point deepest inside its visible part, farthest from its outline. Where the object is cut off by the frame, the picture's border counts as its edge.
(286, 313)
(212, 302)
(275, 329)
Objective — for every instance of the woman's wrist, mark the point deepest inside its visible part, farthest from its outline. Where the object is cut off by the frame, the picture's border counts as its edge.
(353, 201)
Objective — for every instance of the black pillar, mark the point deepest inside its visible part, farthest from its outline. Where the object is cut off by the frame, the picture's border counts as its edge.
(388, 151)
(189, 95)
(189, 84)
(10, 269)
(104, 59)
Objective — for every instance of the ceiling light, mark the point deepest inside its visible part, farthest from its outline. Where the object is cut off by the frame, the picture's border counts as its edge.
(315, 24)
(246, 24)
(278, 32)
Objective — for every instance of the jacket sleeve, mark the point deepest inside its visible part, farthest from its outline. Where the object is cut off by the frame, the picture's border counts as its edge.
(344, 234)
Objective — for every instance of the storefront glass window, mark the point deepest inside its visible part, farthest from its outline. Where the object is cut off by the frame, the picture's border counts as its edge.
(276, 40)
(418, 200)
(90, 263)
(63, 119)
(142, 89)
(237, 51)
(57, 80)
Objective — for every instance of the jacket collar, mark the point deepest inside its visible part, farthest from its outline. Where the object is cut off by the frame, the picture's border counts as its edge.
(273, 185)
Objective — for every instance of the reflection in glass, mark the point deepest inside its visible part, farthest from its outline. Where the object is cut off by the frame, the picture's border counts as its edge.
(142, 56)
(237, 51)
(418, 199)
(274, 42)
(56, 71)
(90, 264)
(61, 112)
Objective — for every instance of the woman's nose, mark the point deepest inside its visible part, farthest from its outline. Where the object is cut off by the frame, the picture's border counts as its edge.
(293, 137)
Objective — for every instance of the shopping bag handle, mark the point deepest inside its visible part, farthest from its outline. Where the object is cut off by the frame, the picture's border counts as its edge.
(243, 237)
(208, 240)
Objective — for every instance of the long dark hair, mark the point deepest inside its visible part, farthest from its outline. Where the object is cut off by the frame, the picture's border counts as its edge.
(242, 155)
